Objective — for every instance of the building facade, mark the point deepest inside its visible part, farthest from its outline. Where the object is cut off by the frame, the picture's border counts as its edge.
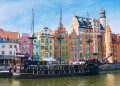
(89, 29)
(25, 44)
(74, 47)
(46, 43)
(36, 48)
(61, 33)
(9, 45)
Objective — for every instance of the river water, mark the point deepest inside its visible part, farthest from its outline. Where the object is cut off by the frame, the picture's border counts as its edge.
(104, 79)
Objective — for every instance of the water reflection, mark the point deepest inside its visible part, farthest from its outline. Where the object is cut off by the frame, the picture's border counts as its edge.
(97, 80)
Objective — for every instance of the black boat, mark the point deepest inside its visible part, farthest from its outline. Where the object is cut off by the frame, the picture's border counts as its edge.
(36, 69)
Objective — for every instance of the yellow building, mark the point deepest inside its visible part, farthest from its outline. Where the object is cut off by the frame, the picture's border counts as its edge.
(46, 43)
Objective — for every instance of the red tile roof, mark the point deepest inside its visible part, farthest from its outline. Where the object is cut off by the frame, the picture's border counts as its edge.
(6, 34)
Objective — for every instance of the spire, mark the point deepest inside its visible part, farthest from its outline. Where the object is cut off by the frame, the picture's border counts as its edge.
(73, 14)
(108, 28)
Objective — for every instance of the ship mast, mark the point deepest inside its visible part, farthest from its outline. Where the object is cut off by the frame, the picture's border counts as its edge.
(60, 35)
(32, 37)
(89, 40)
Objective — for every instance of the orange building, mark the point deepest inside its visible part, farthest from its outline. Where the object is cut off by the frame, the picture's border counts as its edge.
(74, 47)
(64, 44)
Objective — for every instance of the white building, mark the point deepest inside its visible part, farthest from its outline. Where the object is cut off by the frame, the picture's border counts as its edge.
(9, 45)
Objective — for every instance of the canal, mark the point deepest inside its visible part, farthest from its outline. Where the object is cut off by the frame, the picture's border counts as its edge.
(104, 79)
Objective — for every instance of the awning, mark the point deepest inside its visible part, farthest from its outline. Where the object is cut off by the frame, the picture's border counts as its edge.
(6, 58)
(47, 59)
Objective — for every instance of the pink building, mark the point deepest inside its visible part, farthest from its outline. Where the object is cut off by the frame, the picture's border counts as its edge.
(25, 47)
(74, 46)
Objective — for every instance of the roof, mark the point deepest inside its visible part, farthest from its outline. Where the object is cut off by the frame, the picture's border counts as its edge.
(108, 28)
(6, 34)
(83, 22)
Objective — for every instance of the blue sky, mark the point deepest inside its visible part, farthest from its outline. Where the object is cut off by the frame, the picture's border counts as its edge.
(15, 15)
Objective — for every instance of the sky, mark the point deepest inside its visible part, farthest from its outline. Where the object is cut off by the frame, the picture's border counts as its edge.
(16, 15)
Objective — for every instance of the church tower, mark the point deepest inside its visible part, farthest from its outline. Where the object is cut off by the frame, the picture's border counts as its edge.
(108, 43)
(103, 18)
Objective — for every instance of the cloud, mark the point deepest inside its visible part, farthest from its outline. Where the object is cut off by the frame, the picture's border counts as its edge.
(16, 14)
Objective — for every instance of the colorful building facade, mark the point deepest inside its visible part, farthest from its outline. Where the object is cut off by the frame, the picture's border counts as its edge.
(25, 44)
(9, 45)
(46, 43)
(74, 47)
(36, 48)
(61, 32)
(89, 29)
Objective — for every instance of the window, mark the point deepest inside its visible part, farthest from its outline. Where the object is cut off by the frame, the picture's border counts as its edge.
(3, 52)
(85, 36)
(71, 42)
(42, 54)
(50, 40)
(23, 46)
(56, 41)
(42, 47)
(50, 54)
(80, 42)
(34, 41)
(36, 46)
(76, 55)
(91, 37)
(87, 43)
(27, 46)
(66, 47)
(10, 46)
(75, 48)
(75, 42)
(42, 40)
(81, 55)
(46, 41)
(80, 30)
(46, 54)
(47, 47)
(80, 36)
(63, 47)
(55, 47)
(72, 48)
(27, 52)
(63, 55)
(98, 55)
(80, 47)
(10, 52)
(63, 41)
(56, 55)
(72, 55)
(3, 45)
(73, 36)
(36, 53)
(63, 35)
(67, 55)
(50, 47)
(86, 55)
(66, 41)
(87, 48)
(15, 46)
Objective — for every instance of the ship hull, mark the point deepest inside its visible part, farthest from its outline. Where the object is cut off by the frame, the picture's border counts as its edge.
(38, 76)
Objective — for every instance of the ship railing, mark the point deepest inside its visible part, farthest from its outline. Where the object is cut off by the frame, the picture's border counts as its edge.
(60, 70)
